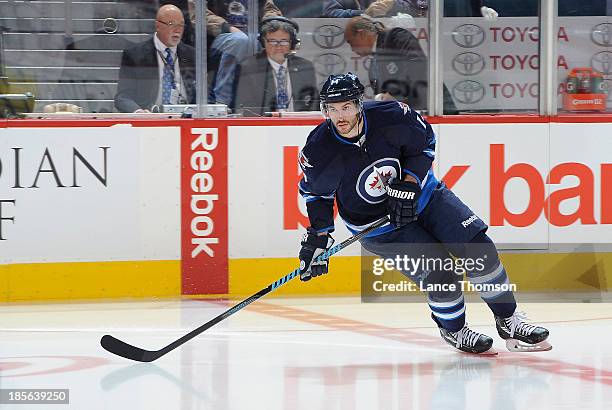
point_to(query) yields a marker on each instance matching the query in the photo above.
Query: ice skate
(521, 336)
(469, 341)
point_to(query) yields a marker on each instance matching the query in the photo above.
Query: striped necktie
(282, 99)
(168, 77)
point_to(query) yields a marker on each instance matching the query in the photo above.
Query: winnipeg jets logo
(304, 161)
(404, 107)
(381, 179)
(372, 181)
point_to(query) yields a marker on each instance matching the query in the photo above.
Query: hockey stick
(120, 348)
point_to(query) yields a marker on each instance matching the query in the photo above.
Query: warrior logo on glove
(396, 193)
(402, 202)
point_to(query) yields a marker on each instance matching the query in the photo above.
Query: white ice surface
(327, 353)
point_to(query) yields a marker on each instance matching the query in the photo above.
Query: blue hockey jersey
(397, 141)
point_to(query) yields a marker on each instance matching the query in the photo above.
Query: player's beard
(346, 128)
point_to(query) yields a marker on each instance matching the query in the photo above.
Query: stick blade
(126, 350)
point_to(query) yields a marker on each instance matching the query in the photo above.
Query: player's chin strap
(360, 123)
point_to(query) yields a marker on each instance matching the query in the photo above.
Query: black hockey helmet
(341, 87)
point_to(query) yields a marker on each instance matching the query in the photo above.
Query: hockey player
(374, 159)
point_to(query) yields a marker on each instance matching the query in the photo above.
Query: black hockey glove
(313, 245)
(402, 198)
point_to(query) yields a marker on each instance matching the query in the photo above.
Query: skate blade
(490, 352)
(514, 345)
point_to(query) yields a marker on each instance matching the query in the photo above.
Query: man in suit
(398, 69)
(415, 8)
(300, 9)
(470, 8)
(373, 8)
(160, 70)
(226, 29)
(276, 79)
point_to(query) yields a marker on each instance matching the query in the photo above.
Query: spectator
(414, 8)
(398, 69)
(160, 70)
(300, 8)
(469, 8)
(585, 8)
(374, 8)
(276, 79)
(183, 5)
(226, 24)
(513, 8)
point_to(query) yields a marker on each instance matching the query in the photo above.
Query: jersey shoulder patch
(303, 160)
(404, 107)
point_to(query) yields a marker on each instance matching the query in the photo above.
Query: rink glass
(63, 53)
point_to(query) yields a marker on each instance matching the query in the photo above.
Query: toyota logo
(468, 35)
(602, 34)
(328, 64)
(468, 92)
(468, 63)
(602, 62)
(328, 36)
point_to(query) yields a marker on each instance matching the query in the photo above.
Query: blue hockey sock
(491, 273)
(448, 314)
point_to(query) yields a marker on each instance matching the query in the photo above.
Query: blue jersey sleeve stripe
(429, 153)
(429, 184)
(407, 171)
(310, 198)
(301, 187)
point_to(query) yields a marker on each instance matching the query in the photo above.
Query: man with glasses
(276, 79)
(160, 70)
(226, 28)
